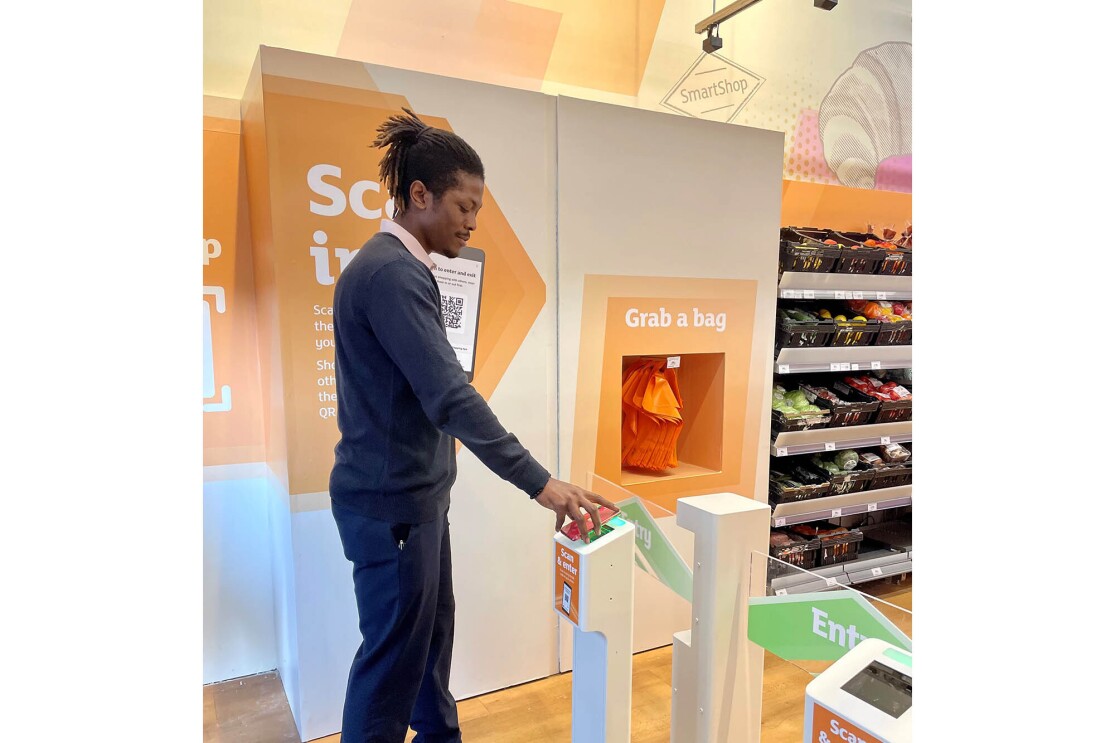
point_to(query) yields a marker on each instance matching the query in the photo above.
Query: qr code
(453, 310)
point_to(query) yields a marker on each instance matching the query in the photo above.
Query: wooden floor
(255, 710)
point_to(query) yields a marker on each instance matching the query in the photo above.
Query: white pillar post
(717, 671)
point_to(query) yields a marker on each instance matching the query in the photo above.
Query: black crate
(889, 411)
(855, 257)
(840, 548)
(897, 262)
(837, 546)
(861, 333)
(798, 252)
(801, 553)
(893, 476)
(800, 334)
(895, 334)
(781, 492)
(895, 412)
(857, 480)
(845, 412)
(806, 258)
(780, 423)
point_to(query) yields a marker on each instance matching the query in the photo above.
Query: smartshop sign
(714, 88)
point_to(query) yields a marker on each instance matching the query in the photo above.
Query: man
(402, 399)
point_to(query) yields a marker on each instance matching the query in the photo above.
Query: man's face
(453, 216)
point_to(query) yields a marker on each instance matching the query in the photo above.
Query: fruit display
(874, 387)
(905, 240)
(812, 391)
(856, 323)
(813, 250)
(800, 328)
(885, 312)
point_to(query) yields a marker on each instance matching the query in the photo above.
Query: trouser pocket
(400, 533)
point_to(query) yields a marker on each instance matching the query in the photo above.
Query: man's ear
(420, 197)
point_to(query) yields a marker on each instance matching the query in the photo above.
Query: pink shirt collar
(409, 241)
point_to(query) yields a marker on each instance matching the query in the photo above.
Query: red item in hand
(572, 531)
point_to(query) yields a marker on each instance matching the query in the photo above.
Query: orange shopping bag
(651, 416)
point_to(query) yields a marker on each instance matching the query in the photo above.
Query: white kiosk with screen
(594, 590)
(865, 697)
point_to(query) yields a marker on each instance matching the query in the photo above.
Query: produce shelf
(833, 439)
(845, 286)
(833, 359)
(868, 566)
(849, 504)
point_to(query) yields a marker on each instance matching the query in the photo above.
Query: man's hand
(566, 499)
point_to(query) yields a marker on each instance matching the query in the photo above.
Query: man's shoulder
(385, 257)
(382, 247)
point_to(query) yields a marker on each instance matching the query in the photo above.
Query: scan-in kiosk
(593, 589)
(865, 697)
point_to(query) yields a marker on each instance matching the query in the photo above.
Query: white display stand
(717, 671)
(601, 612)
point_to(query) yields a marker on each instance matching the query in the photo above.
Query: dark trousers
(404, 597)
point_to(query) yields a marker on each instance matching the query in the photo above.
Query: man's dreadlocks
(418, 152)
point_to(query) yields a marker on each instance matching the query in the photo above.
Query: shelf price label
(876, 364)
(808, 294)
(783, 368)
(781, 452)
(830, 446)
(881, 296)
(673, 362)
(857, 295)
(791, 294)
(780, 592)
(834, 366)
(846, 366)
(780, 522)
(836, 512)
(872, 507)
(884, 440)
(840, 294)
(877, 572)
(855, 367)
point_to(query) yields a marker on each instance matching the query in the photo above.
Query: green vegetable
(847, 459)
(796, 398)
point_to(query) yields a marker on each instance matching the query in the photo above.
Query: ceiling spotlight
(713, 42)
(712, 23)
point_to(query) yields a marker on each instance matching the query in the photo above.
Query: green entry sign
(818, 626)
(656, 555)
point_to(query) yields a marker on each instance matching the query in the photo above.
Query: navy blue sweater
(402, 396)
